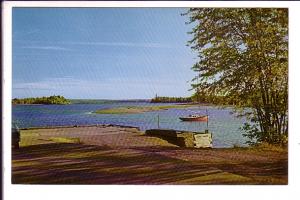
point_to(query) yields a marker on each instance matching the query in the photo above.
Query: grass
(33, 137)
(136, 109)
(270, 147)
(65, 140)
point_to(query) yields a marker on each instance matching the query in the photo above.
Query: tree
(243, 57)
(42, 100)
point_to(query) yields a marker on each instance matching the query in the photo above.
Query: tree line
(42, 100)
(199, 97)
(158, 99)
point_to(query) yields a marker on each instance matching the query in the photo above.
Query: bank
(107, 154)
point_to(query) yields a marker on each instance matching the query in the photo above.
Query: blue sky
(101, 53)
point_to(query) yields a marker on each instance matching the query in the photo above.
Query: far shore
(35, 104)
(108, 154)
(174, 104)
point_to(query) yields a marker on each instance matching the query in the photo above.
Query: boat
(195, 118)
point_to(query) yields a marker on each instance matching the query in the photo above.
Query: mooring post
(207, 119)
(157, 121)
(206, 131)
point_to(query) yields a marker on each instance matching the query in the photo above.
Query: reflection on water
(223, 125)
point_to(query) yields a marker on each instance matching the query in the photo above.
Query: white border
(13, 192)
(148, 4)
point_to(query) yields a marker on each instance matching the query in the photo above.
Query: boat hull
(194, 119)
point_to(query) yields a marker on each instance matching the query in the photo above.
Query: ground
(120, 155)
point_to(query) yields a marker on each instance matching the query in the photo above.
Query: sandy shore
(122, 155)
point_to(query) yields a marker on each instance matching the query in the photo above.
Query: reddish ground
(116, 155)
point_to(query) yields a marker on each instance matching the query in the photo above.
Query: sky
(101, 53)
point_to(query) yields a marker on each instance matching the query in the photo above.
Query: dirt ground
(120, 155)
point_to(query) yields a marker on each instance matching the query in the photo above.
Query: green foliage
(197, 97)
(158, 99)
(202, 97)
(243, 58)
(42, 100)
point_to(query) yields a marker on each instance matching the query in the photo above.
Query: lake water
(223, 125)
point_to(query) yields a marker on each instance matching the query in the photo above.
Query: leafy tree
(243, 57)
(158, 99)
(42, 100)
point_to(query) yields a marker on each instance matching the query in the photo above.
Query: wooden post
(207, 120)
(157, 121)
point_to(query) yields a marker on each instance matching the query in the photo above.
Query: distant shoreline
(98, 101)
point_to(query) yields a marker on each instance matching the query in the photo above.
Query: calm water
(223, 125)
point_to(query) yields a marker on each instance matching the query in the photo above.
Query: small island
(139, 109)
(42, 100)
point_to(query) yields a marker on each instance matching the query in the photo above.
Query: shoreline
(79, 126)
(122, 127)
(122, 155)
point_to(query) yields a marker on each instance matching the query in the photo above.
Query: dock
(183, 138)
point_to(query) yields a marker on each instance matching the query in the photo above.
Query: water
(223, 125)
